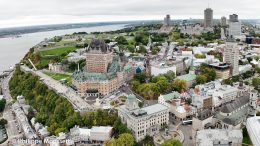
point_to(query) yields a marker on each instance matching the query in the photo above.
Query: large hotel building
(104, 72)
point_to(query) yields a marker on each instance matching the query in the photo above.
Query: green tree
(209, 73)
(200, 56)
(147, 141)
(170, 75)
(142, 49)
(125, 139)
(176, 36)
(163, 86)
(149, 91)
(30, 113)
(141, 39)
(201, 79)
(3, 122)
(171, 142)
(256, 83)
(131, 48)
(120, 128)
(121, 40)
(179, 85)
(135, 84)
(140, 104)
(155, 50)
(141, 77)
(112, 142)
(2, 104)
(257, 69)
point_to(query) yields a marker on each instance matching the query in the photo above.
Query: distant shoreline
(18, 31)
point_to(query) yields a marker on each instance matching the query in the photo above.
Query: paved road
(78, 103)
(186, 130)
(12, 126)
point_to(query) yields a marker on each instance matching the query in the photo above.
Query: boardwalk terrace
(104, 72)
(143, 121)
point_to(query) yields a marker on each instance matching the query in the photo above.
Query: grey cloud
(20, 9)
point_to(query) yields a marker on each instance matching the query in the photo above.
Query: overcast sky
(37, 12)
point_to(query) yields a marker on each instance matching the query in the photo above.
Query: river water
(12, 50)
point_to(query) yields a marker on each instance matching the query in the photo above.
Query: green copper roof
(113, 68)
(187, 77)
(131, 97)
(127, 68)
(171, 96)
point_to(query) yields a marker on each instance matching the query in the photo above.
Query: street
(77, 102)
(12, 126)
(186, 130)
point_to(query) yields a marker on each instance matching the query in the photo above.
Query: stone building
(235, 113)
(143, 121)
(219, 137)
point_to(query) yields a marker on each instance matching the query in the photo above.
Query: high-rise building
(223, 21)
(234, 25)
(231, 56)
(233, 18)
(167, 20)
(208, 18)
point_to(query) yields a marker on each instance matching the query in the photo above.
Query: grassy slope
(57, 51)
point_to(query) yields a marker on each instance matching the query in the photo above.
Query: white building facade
(231, 56)
(143, 121)
(253, 125)
(162, 69)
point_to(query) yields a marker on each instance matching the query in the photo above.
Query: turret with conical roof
(131, 102)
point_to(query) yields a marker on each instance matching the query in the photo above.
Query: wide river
(12, 50)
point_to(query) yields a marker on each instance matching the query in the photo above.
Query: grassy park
(57, 51)
(59, 76)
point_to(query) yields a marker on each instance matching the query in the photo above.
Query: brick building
(104, 72)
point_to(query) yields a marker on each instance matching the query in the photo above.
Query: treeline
(241, 77)
(150, 87)
(141, 39)
(206, 74)
(54, 110)
(43, 62)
